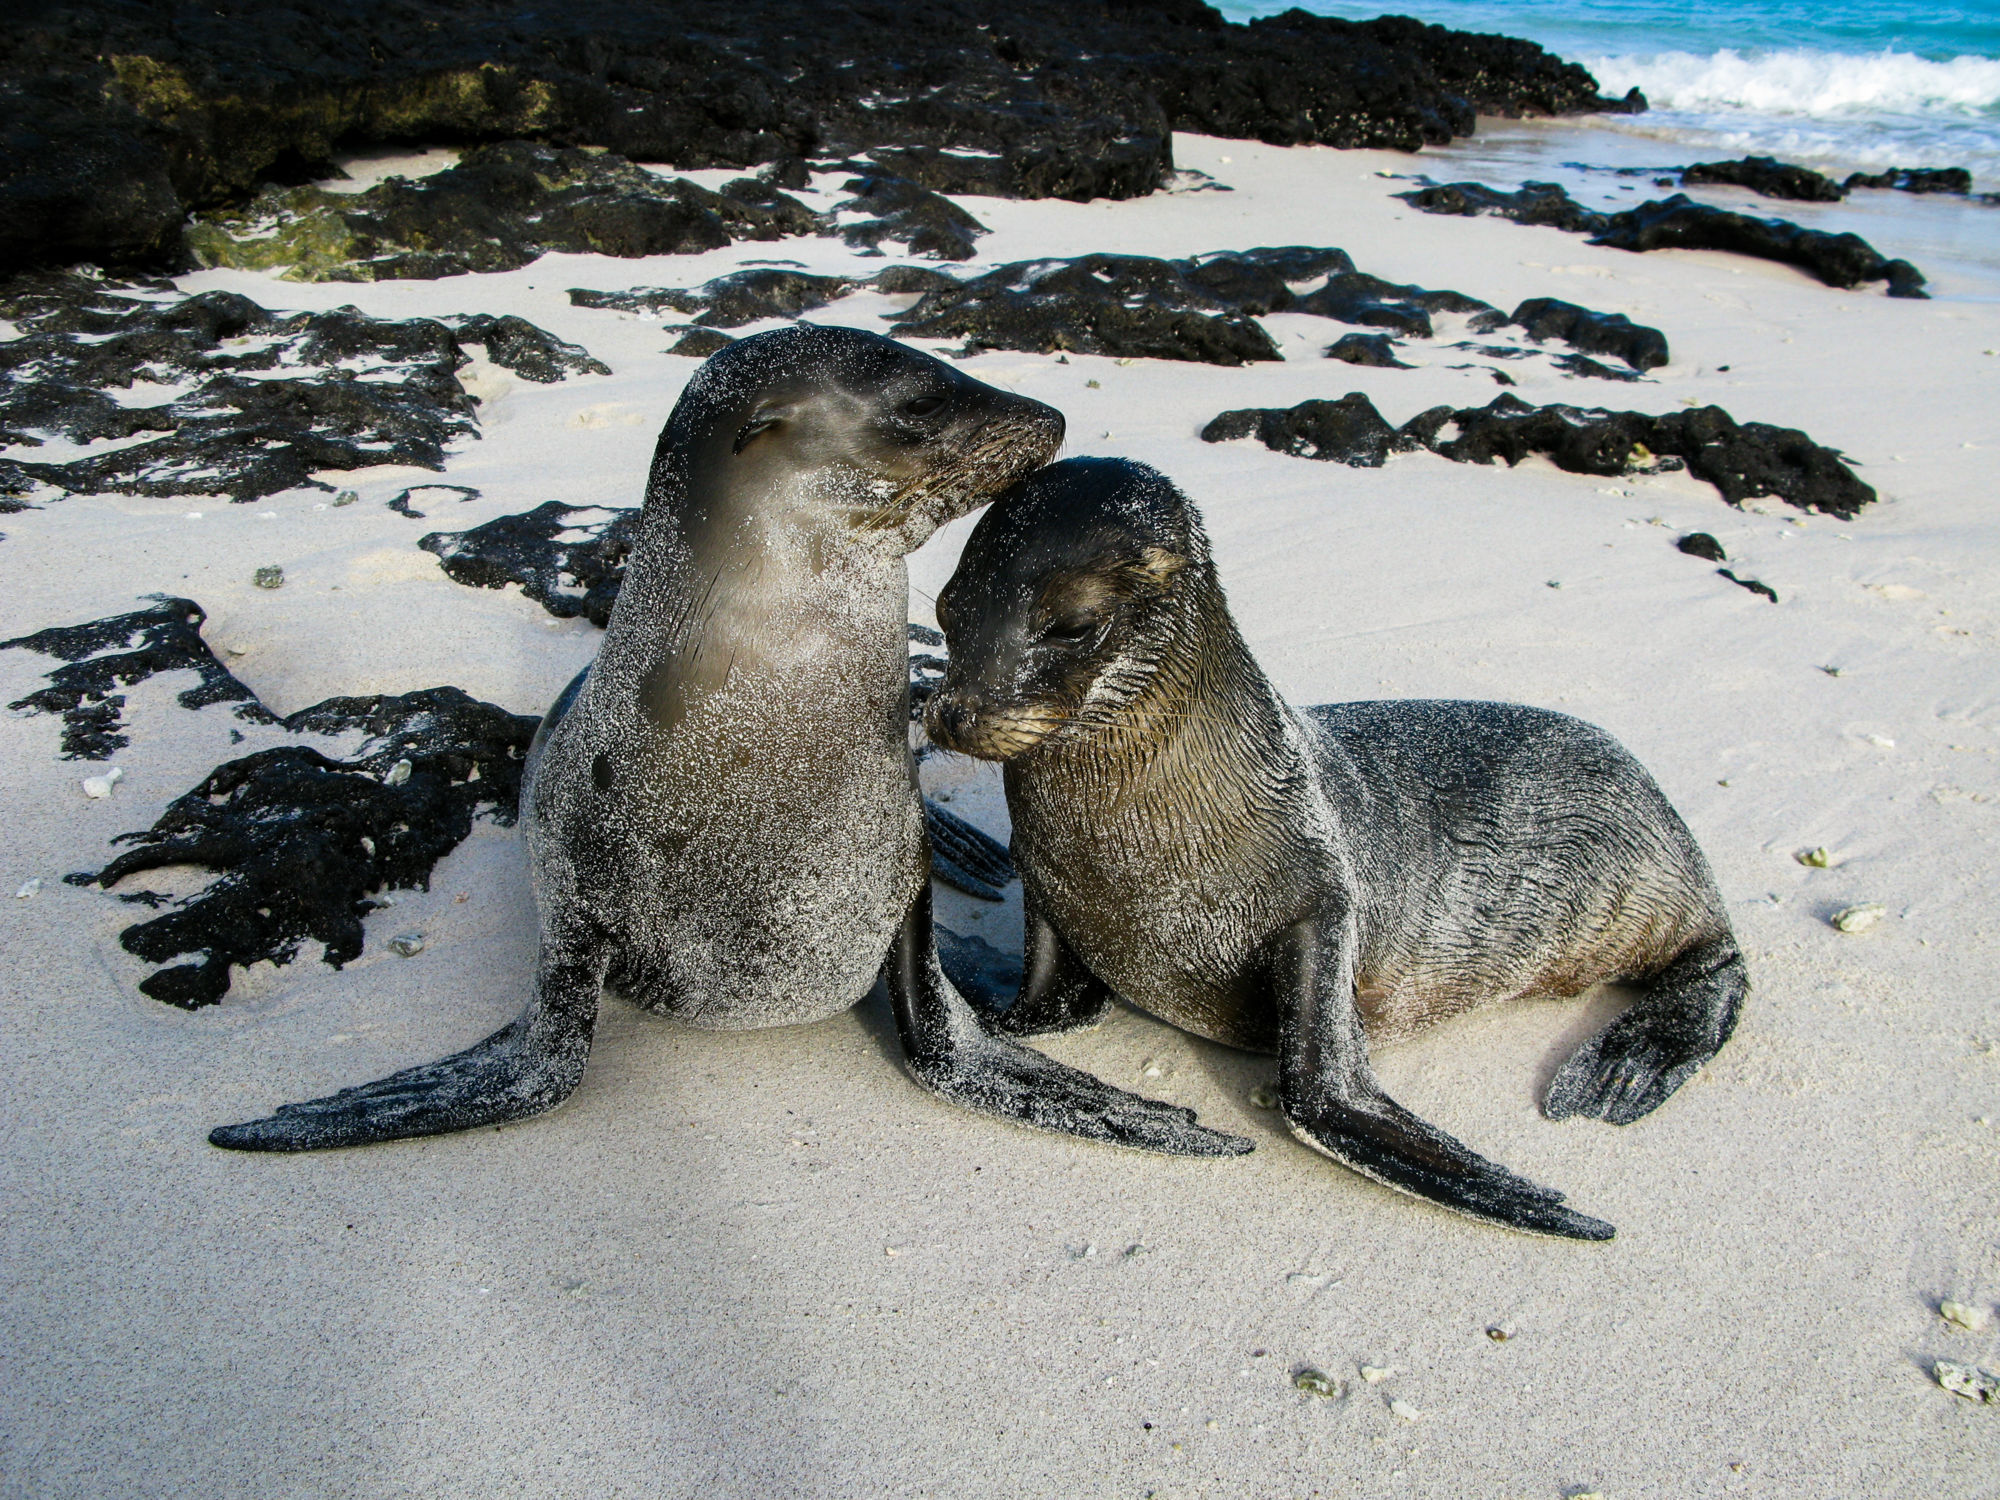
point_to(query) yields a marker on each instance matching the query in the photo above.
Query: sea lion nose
(953, 717)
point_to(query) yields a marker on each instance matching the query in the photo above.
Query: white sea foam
(1806, 81)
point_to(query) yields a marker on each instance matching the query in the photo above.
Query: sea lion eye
(924, 406)
(1071, 629)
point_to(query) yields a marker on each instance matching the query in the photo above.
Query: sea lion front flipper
(1058, 992)
(1334, 1104)
(954, 1056)
(526, 1068)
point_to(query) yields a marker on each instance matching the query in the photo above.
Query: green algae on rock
(499, 208)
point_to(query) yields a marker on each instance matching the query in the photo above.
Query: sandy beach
(768, 1264)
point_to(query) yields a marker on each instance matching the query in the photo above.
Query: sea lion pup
(722, 815)
(1309, 883)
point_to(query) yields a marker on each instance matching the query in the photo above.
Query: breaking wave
(1807, 82)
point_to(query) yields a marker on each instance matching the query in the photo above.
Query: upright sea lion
(1309, 883)
(722, 816)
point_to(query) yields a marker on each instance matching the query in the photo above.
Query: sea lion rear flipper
(1633, 1066)
(526, 1068)
(953, 1055)
(1335, 1105)
(966, 858)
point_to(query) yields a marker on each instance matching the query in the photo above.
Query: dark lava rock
(699, 343)
(104, 655)
(1701, 544)
(567, 578)
(926, 223)
(1357, 297)
(1770, 177)
(730, 301)
(500, 207)
(255, 402)
(405, 503)
(1742, 460)
(1915, 179)
(1374, 349)
(1348, 431)
(1130, 306)
(1544, 203)
(1756, 586)
(1679, 223)
(1545, 318)
(299, 840)
(120, 118)
(530, 352)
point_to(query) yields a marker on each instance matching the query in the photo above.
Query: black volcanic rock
(1129, 306)
(1754, 585)
(1679, 223)
(1701, 544)
(1770, 177)
(121, 117)
(500, 207)
(567, 578)
(924, 222)
(1374, 349)
(1545, 318)
(253, 402)
(728, 301)
(1915, 179)
(1544, 203)
(1348, 431)
(1357, 297)
(1742, 460)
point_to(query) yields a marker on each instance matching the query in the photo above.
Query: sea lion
(721, 813)
(1309, 883)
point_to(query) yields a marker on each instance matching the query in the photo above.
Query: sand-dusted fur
(1309, 882)
(722, 815)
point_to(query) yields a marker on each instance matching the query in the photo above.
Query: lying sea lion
(722, 815)
(1309, 883)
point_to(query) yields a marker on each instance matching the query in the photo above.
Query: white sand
(768, 1264)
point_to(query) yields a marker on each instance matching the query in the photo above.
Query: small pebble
(1817, 859)
(1376, 1374)
(1403, 1411)
(269, 578)
(100, 786)
(346, 497)
(1094, 385)
(410, 944)
(29, 889)
(1555, 583)
(1316, 1383)
(1975, 1385)
(1859, 918)
(1499, 1333)
(1150, 1069)
(1833, 671)
(397, 774)
(1971, 1319)
(1263, 1096)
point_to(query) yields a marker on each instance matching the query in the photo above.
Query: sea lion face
(851, 433)
(1060, 609)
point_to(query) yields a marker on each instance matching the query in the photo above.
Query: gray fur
(721, 815)
(1309, 882)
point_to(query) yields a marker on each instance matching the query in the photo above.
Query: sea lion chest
(1171, 899)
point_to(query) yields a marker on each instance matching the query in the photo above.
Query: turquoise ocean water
(1895, 83)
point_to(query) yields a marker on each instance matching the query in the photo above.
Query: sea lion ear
(1158, 567)
(761, 421)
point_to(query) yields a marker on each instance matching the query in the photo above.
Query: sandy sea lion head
(846, 431)
(1060, 613)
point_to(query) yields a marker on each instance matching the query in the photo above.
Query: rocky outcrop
(252, 402)
(1769, 177)
(120, 119)
(1588, 332)
(1914, 180)
(1679, 223)
(500, 207)
(1744, 461)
